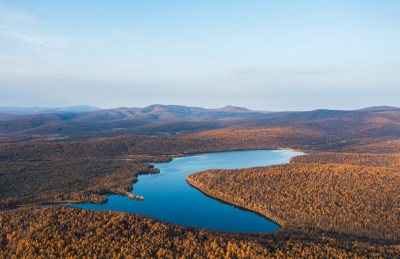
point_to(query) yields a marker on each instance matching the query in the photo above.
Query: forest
(202, 142)
(67, 232)
(340, 200)
(348, 194)
(79, 180)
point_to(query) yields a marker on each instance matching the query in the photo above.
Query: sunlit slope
(350, 194)
(166, 120)
(71, 232)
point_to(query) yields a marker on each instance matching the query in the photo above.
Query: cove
(168, 197)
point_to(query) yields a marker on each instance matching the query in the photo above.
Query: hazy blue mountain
(71, 124)
(158, 112)
(29, 110)
(381, 108)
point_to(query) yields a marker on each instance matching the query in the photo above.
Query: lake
(168, 197)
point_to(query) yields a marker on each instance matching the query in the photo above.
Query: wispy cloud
(263, 72)
(29, 36)
(10, 14)
(27, 28)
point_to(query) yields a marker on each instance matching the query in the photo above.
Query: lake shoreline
(168, 197)
(276, 221)
(129, 191)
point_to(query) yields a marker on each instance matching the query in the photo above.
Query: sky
(261, 54)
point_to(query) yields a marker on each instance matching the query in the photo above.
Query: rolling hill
(165, 120)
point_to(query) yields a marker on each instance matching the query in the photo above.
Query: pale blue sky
(269, 55)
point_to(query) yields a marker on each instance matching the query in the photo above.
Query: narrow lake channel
(168, 197)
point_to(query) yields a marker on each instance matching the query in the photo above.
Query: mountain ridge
(165, 120)
(35, 110)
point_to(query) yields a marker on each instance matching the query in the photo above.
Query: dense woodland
(342, 199)
(80, 180)
(84, 170)
(381, 147)
(318, 192)
(364, 159)
(208, 141)
(59, 231)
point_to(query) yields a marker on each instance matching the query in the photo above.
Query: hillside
(351, 200)
(165, 120)
(59, 231)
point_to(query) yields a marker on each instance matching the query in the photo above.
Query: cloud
(27, 28)
(28, 36)
(10, 15)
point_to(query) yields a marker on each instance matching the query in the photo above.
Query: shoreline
(275, 220)
(44, 203)
(305, 152)
(141, 198)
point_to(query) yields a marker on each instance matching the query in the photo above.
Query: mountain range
(29, 110)
(85, 122)
(153, 112)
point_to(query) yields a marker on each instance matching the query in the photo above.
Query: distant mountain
(158, 112)
(80, 108)
(66, 124)
(6, 116)
(381, 108)
(230, 108)
(30, 110)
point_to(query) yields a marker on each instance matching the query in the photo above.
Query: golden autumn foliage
(329, 196)
(85, 170)
(331, 205)
(79, 180)
(382, 147)
(128, 145)
(375, 160)
(59, 231)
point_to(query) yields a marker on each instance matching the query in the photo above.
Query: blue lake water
(168, 197)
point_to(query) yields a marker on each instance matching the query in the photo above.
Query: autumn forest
(339, 200)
